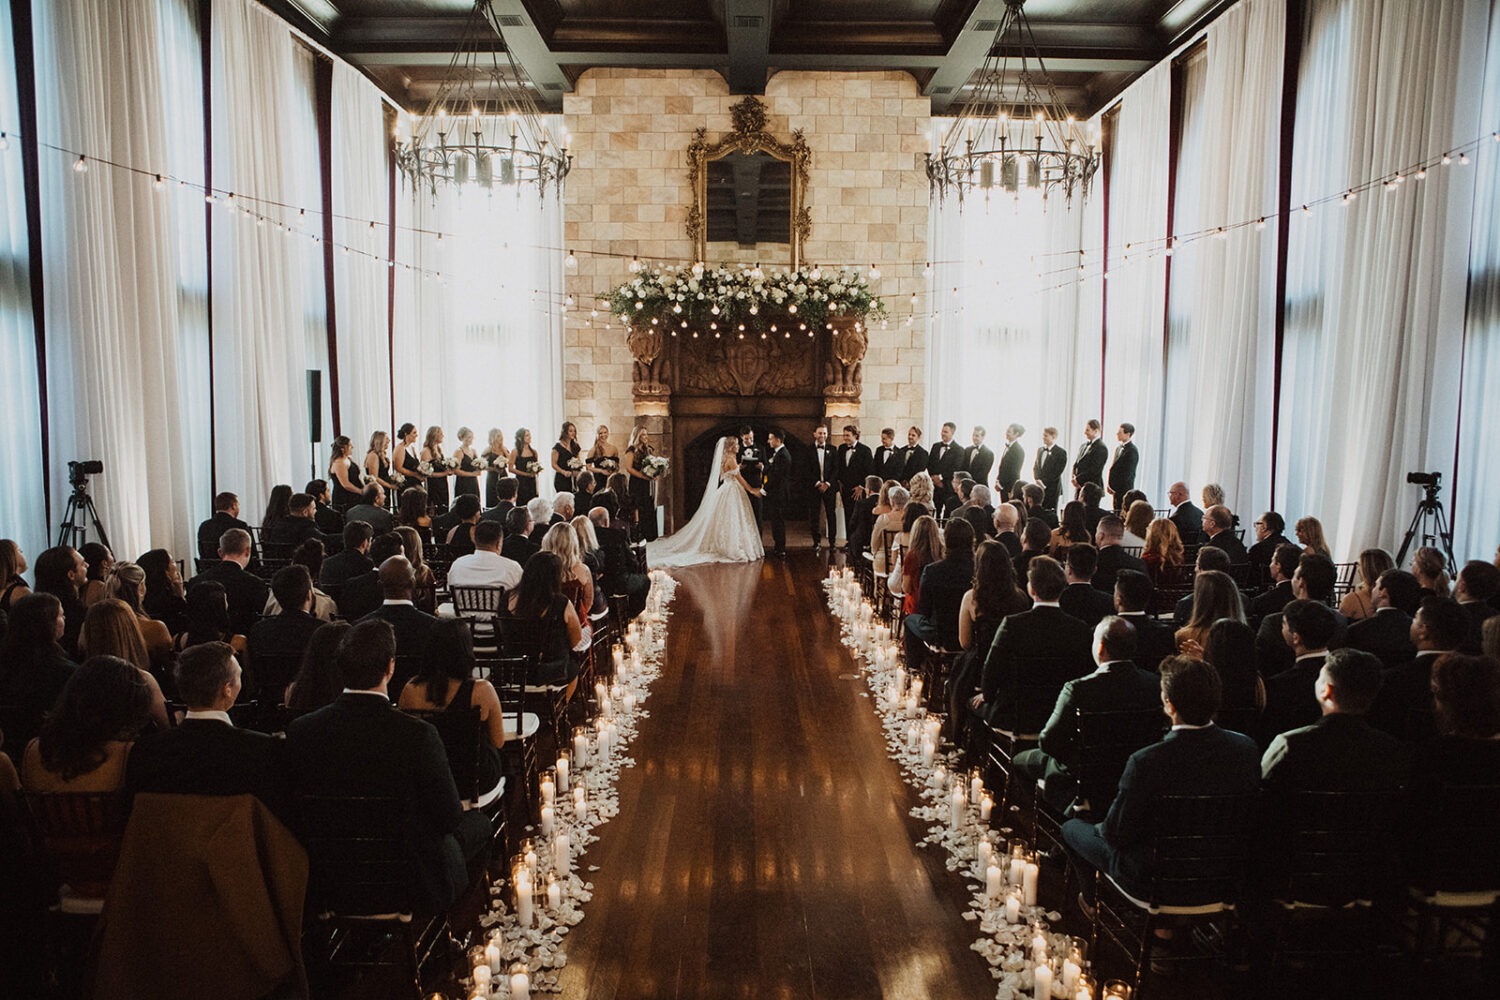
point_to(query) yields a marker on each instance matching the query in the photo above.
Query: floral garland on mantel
(713, 297)
(541, 899)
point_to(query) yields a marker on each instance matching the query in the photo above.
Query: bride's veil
(716, 464)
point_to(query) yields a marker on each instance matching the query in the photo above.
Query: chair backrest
(1200, 846)
(483, 602)
(1134, 550)
(1333, 847)
(81, 832)
(271, 673)
(1105, 742)
(356, 851)
(1344, 580)
(1456, 849)
(461, 731)
(1038, 680)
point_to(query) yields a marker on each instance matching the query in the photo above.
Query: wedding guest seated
(540, 510)
(578, 582)
(484, 567)
(446, 683)
(412, 627)
(1208, 558)
(330, 521)
(415, 511)
(1387, 634)
(246, 592)
(1138, 517)
(61, 572)
(1036, 538)
(33, 667)
(1477, 584)
(1215, 596)
(518, 546)
(460, 539)
(1218, 531)
(318, 680)
(1091, 495)
(540, 599)
(1306, 627)
(425, 594)
(361, 746)
(205, 754)
(1044, 638)
(111, 629)
(371, 509)
(1033, 499)
(923, 546)
(562, 508)
(208, 619)
(941, 591)
(583, 493)
(362, 594)
(165, 598)
(1269, 536)
(1404, 708)
(1117, 685)
(353, 560)
(1081, 598)
(593, 558)
(1004, 529)
(862, 518)
(1430, 567)
(888, 525)
(619, 503)
(1283, 568)
(620, 575)
(308, 555)
(1313, 580)
(1310, 536)
(1195, 758)
(100, 561)
(1163, 554)
(226, 516)
(1359, 603)
(127, 584)
(1072, 529)
(1231, 650)
(505, 490)
(12, 584)
(275, 640)
(299, 524)
(979, 511)
(994, 595)
(84, 742)
(1185, 516)
(1110, 537)
(1154, 640)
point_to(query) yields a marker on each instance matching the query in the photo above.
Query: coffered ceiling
(1092, 48)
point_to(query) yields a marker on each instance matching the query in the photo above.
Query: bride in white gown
(723, 529)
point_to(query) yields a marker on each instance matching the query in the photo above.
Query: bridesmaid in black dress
(523, 462)
(378, 464)
(564, 453)
(437, 479)
(344, 475)
(466, 476)
(640, 484)
(499, 465)
(406, 460)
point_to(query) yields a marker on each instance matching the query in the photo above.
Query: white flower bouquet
(532, 466)
(425, 468)
(451, 463)
(480, 464)
(397, 478)
(654, 466)
(575, 464)
(608, 464)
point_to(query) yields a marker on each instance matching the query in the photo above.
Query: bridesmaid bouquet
(480, 464)
(575, 464)
(608, 464)
(425, 468)
(451, 463)
(532, 466)
(398, 478)
(654, 466)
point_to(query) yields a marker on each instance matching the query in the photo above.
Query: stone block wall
(629, 193)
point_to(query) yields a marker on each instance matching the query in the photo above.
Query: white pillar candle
(916, 689)
(562, 773)
(482, 975)
(986, 807)
(601, 692)
(549, 790)
(562, 854)
(1038, 945)
(929, 751)
(554, 894)
(530, 860)
(1029, 876)
(547, 820)
(957, 808)
(1043, 980)
(1017, 870)
(492, 955)
(913, 734)
(984, 852)
(1071, 970)
(635, 662)
(992, 877)
(580, 749)
(1013, 909)
(911, 706)
(520, 986)
(629, 701)
(580, 804)
(976, 787)
(523, 896)
(618, 656)
(939, 776)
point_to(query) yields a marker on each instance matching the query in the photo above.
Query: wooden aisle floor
(764, 846)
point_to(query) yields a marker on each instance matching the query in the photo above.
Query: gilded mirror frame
(749, 137)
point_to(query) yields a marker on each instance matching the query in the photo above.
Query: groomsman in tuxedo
(821, 467)
(1122, 470)
(888, 460)
(942, 463)
(778, 487)
(915, 456)
(1051, 460)
(978, 459)
(1092, 456)
(854, 465)
(753, 468)
(1012, 460)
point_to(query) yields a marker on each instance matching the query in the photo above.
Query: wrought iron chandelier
(1016, 134)
(483, 126)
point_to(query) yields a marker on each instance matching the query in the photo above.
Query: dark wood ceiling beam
(747, 24)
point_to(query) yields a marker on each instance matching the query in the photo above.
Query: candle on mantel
(1029, 877)
(1043, 980)
(562, 854)
(549, 789)
(520, 985)
(992, 878)
(562, 772)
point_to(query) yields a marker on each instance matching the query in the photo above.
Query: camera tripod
(1429, 525)
(80, 514)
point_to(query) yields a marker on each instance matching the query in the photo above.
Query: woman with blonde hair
(1310, 534)
(127, 583)
(432, 456)
(604, 457)
(920, 488)
(1430, 567)
(1215, 596)
(497, 458)
(578, 583)
(1138, 518)
(378, 463)
(924, 547)
(1359, 603)
(1164, 554)
(640, 484)
(466, 476)
(889, 524)
(112, 629)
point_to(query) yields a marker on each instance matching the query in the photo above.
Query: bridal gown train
(722, 531)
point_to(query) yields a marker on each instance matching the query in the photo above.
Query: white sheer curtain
(361, 291)
(1369, 382)
(111, 252)
(1133, 370)
(21, 515)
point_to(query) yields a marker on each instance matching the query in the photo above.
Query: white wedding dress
(722, 531)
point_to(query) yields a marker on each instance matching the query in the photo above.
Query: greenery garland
(703, 297)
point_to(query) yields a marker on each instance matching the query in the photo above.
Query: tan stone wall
(629, 193)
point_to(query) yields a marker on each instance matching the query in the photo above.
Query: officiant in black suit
(1122, 470)
(1088, 467)
(752, 468)
(821, 470)
(1012, 460)
(888, 460)
(942, 463)
(1051, 461)
(854, 465)
(914, 456)
(778, 487)
(978, 460)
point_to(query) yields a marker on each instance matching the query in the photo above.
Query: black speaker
(315, 404)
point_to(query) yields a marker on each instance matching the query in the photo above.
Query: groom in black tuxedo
(778, 487)
(752, 468)
(888, 460)
(821, 468)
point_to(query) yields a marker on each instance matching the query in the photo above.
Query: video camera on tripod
(81, 511)
(79, 472)
(1429, 524)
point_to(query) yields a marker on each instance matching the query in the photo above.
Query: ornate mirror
(749, 191)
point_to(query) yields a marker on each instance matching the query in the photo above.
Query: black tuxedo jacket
(1112, 559)
(294, 531)
(618, 562)
(1122, 472)
(1048, 469)
(889, 462)
(1274, 656)
(362, 746)
(1091, 518)
(209, 757)
(1272, 601)
(1229, 542)
(376, 517)
(340, 569)
(983, 520)
(914, 461)
(1088, 604)
(813, 473)
(944, 460)
(330, 521)
(1338, 753)
(1479, 613)
(1387, 635)
(1261, 553)
(210, 530)
(978, 462)
(1046, 515)
(941, 593)
(360, 595)
(1154, 641)
(283, 635)
(247, 593)
(1404, 706)
(1290, 701)
(778, 481)
(413, 626)
(1089, 466)
(1189, 521)
(1045, 647)
(1012, 460)
(501, 509)
(519, 548)
(1119, 686)
(854, 465)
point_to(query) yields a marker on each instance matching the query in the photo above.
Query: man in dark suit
(863, 521)
(1006, 520)
(1090, 496)
(1122, 469)
(226, 516)
(1387, 634)
(778, 490)
(352, 561)
(247, 593)
(281, 637)
(942, 463)
(941, 592)
(301, 525)
(1268, 537)
(1475, 587)
(398, 581)
(1043, 647)
(505, 491)
(1012, 459)
(1195, 758)
(362, 594)
(1051, 462)
(1154, 640)
(330, 521)
(619, 575)
(1283, 568)
(914, 458)
(1034, 496)
(821, 470)
(1218, 525)
(371, 509)
(1185, 514)
(1118, 685)
(753, 470)
(1404, 707)
(1088, 467)
(1313, 581)
(889, 461)
(1306, 627)
(205, 754)
(518, 545)
(978, 511)
(978, 460)
(1112, 555)
(854, 461)
(361, 746)
(1081, 599)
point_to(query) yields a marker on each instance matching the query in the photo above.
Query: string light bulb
(81, 165)
(160, 183)
(874, 273)
(572, 261)
(4, 142)
(635, 265)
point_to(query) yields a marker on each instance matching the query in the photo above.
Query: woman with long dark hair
(564, 457)
(12, 565)
(1071, 530)
(415, 512)
(524, 464)
(278, 508)
(995, 595)
(165, 599)
(318, 680)
(343, 474)
(539, 598)
(102, 709)
(208, 618)
(33, 666)
(405, 460)
(100, 561)
(447, 684)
